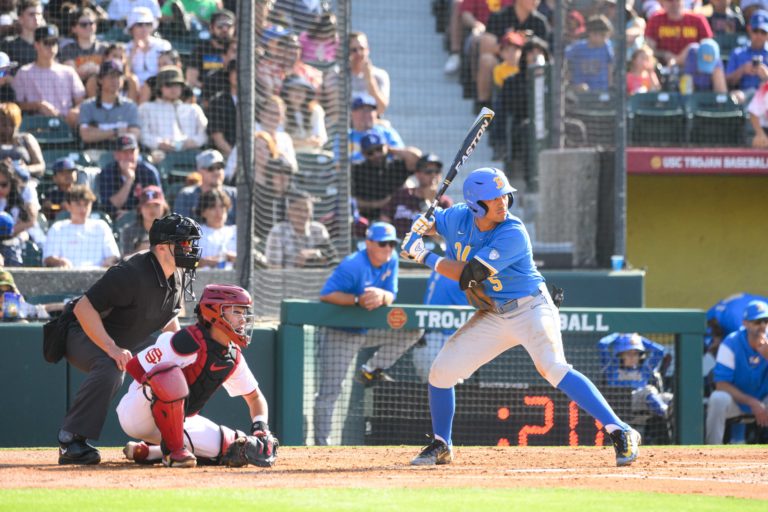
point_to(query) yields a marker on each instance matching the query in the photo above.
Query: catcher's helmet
(626, 342)
(484, 184)
(216, 300)
(183, 233)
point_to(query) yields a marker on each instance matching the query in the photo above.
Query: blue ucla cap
(707, 56)
(759, 20)
(756, 310)
(363, 100)
(381, 232)
(371, 139)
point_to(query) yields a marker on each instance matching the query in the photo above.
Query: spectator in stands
(149, 91)
(299, 241)
(116, 52)
(510, 50)
(747, 68)
(202, 10)
(64, 177)
(672, 29)
(11, 244)
(208, 55)
(134, 237)
(222, 114)
(144, 48)
(631, 360)
(320, 42)
(467, 17)
(270, 196)
(365, 118)
(293, 65)
(520, 17)
(9, 18)
(703, 67)
(575, 26)
(120, 10)
(590, 61)
(168, 124)
(85, 53)
(22, 148)
(80, 241)
(305, 118)
(408, 202)
(271, 140)
(18, 198)
(15, 308)
(46, 87)
(741, 374)
(7, 68)
(106, 117)
(641, 76)
(122, 180)
(725, 19)
(217, 81)
(366, 279)
(383, 172)
(21, 49)
(210, 165)
(218, 240)
(367, 78)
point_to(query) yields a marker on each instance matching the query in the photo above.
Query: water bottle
(686, 84)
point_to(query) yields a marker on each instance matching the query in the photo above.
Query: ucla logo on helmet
(499, 182)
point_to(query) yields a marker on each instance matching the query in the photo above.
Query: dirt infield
(739, 472)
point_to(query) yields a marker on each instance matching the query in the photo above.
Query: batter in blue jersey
(489, 254)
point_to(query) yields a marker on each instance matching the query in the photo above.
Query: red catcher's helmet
(219, 298)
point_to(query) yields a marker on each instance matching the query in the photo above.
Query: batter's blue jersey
(442, 291)
(355, 273)
(615, 375)
(739, 364)
(505, 250)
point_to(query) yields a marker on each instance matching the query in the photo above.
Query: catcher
(176, 376)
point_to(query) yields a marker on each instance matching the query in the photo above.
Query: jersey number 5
(463, 254)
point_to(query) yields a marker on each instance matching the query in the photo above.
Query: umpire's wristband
(432, 260)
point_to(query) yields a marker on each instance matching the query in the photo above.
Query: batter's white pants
(721, 407)
(534, 324)
(201, 436)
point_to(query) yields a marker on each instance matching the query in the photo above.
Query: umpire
(115, 318)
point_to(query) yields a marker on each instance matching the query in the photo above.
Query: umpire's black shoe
(370, 378)
(78, 451)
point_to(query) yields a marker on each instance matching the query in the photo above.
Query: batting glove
(413, 247)
(422, 224)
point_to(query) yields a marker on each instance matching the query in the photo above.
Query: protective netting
(505, 402)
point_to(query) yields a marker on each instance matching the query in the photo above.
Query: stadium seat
(50, 132)
(715, 119)
(597, 110)
(728, 42)
(31, 254)
(52, 154)
(178, 164)
(656, 119)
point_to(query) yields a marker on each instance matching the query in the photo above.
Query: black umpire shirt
(135, 299)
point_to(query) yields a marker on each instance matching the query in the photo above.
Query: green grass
(378, 500)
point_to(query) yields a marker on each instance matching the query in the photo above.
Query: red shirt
(482, 9)
(674, 36)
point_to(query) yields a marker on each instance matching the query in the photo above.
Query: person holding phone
(746, 68)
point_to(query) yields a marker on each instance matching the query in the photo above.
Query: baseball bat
(474, 134)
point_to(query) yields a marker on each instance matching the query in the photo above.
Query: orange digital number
(599, 436)
(573, 422)
(537, 430)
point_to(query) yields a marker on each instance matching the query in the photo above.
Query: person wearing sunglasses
(210, 165)
(144, 49)
(85, 52)
(741, 375)
(46, 87)
(365, 279)
(208, 55)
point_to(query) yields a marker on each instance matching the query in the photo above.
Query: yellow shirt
(503, 71)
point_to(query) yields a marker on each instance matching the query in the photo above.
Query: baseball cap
(512, 38)
(169, 75)
(209, 158)
(6, 279)
(756, 310)
(110, 66)
(707, 56)
(381, 232)
(759, 20)
(429, 158)
(6, 225)
(363, 100)
(140, 15)
(46, 32)
(223, 14)
(64, 164)
(6, 64)
(151, 194)
(298, 82)
(371, 139)
(127, 141)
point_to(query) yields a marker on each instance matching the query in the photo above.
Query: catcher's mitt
(257, 450)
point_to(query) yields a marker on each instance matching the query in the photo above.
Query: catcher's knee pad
(553, 371)
(169, 389)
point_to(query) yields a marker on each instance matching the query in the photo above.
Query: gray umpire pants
(337, 350)
(88, 411)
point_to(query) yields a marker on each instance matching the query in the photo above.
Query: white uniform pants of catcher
(337, 350)
(721, 407)
(534, 324)
(201, 436)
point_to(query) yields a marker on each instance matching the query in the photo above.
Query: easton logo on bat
(472, 145)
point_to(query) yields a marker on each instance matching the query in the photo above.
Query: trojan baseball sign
(575, 322)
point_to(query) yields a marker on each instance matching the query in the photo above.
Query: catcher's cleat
(436, 453)
(370, 378)
(181, 458)
(627, 445)
(78, 451)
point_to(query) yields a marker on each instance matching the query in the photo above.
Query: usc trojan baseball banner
(696, 161)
